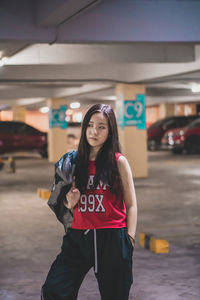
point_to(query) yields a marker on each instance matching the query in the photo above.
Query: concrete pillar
(132, 139)
(19, 113)
(57, 136)
(166, 110)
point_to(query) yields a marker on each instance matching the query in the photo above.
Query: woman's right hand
(72, 197)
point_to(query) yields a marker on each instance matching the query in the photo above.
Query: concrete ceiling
(81, 49)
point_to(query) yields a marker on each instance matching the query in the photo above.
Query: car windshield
(195, 123)
(159, 123)
(7, 127)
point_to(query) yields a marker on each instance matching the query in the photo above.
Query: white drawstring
(42, 295)
(95, 251)
(95, 248)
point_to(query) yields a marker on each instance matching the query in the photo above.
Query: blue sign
(134, 112)
(57, 117)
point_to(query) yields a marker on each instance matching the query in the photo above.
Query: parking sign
(134, 112)
(57, 117)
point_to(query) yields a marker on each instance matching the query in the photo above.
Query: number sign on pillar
(57, 117)
(131, 112)
(134, 112)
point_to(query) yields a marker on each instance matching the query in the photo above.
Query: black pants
(108, 250)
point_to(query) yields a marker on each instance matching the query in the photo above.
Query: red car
(185, 139)
(18, 136)
(156, 131)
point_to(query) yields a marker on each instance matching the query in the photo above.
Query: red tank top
(99, 208)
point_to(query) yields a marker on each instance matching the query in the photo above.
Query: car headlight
(171, 141)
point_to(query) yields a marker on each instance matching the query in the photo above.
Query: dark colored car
(185, 139)
(156, 131)
(18, 136)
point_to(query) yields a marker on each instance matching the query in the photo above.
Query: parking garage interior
(57, 58)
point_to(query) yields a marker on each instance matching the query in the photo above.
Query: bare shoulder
(126, 177)
(123, 165)
(122, 161)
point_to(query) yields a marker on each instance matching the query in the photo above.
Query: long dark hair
(105, 162)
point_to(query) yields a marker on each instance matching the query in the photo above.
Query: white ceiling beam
(16, 92)
(176, 99)
(105, 53)
(132, 72)
(12, 92)
(79, 73)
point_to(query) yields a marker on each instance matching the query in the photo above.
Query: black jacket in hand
(64, 170)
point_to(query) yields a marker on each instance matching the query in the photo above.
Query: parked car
(18, 136)
(156, 131)
(185, 139)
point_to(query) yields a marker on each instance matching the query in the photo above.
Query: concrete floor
(169, 207)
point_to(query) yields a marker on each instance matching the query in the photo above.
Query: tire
(198, 144)
(177, 150)
(191, 145)
(44, 152)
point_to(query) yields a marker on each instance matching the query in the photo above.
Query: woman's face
(97, 131)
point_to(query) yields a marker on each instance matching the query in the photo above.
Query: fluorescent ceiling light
(44, 109)
(110, 98)
(69, 112)
(3, 61)
(195, 88)
(77, 117)
(75, 105)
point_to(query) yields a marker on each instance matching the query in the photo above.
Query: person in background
(103, 230)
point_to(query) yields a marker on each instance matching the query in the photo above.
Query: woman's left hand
(132, 240)
(72, 196)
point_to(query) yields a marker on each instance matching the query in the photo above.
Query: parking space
(169, 208)
(59, 59)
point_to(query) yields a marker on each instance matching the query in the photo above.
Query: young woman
(105, 215)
